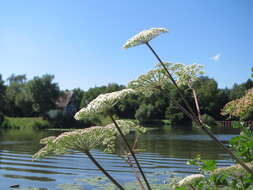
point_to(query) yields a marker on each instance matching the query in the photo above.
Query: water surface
(161, 154)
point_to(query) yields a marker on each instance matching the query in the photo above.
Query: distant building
(67, 103)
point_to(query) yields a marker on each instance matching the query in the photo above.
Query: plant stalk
(172, 79)
(196, 103)
(103, 170)
(130, 163)
(131, 151)
(198, 119)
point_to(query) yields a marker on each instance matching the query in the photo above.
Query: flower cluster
(189, 180)
(86, 139)
(240, 107)
(126, 127)
(102, 103)
(187, 74)
(184, 74)
(150, 82)
(79, 140)
(158, 79)
(144, 37)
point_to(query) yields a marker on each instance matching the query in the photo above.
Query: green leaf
(209, 165)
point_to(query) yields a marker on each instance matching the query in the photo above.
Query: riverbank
(24, 122)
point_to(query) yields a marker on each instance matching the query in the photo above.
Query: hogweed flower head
(47, 140)
(191, 179)
(186, 74)
(102, 103)
(155, 80)
(84, 140)
(144, 37)
(126, 127)
(77, 140)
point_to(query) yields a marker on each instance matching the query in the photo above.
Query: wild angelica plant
(143, 38)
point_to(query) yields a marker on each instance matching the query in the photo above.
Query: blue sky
(80, 41)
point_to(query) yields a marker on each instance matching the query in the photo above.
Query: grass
(25, 122)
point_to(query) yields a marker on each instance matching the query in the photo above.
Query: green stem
(197, 119)
(103, 170)
(172, 80)
(196, 103)
(131, 151)
(130, 163)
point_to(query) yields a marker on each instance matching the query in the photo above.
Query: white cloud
(216, 57)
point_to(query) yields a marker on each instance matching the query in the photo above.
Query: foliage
(2, 118)
(25, 122)
(17, 102)
(43, 93)
(78, 94)
(2, 94)
(207, 119)
(238, 90)
(243, 144)
(211, 99)
(211, 177)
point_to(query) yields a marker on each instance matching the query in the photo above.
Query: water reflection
(160, 152)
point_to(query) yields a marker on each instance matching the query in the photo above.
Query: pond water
(162, 153)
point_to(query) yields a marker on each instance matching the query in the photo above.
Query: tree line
(20, 97)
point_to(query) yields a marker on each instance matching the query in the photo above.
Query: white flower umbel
(144, 37)
(187, 74)
(102, 103)
(184, 74)
(79, 140)
(148, 83)
(189, 180)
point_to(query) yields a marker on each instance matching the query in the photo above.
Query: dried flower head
(191, 179)
(144, 37)
(235, 170)
(102, 103)
(240, 107)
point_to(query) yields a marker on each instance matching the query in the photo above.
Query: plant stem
(196, 103)
(131, 151)
(103, 170)
(172, 79)
(130, 163)
(197, 119)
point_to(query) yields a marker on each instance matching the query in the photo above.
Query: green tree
(78, 94)
(2, 92)
(238, 90)
(211, 99)
(43, 92)
(17, 100)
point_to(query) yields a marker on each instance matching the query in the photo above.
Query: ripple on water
(161, 154)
